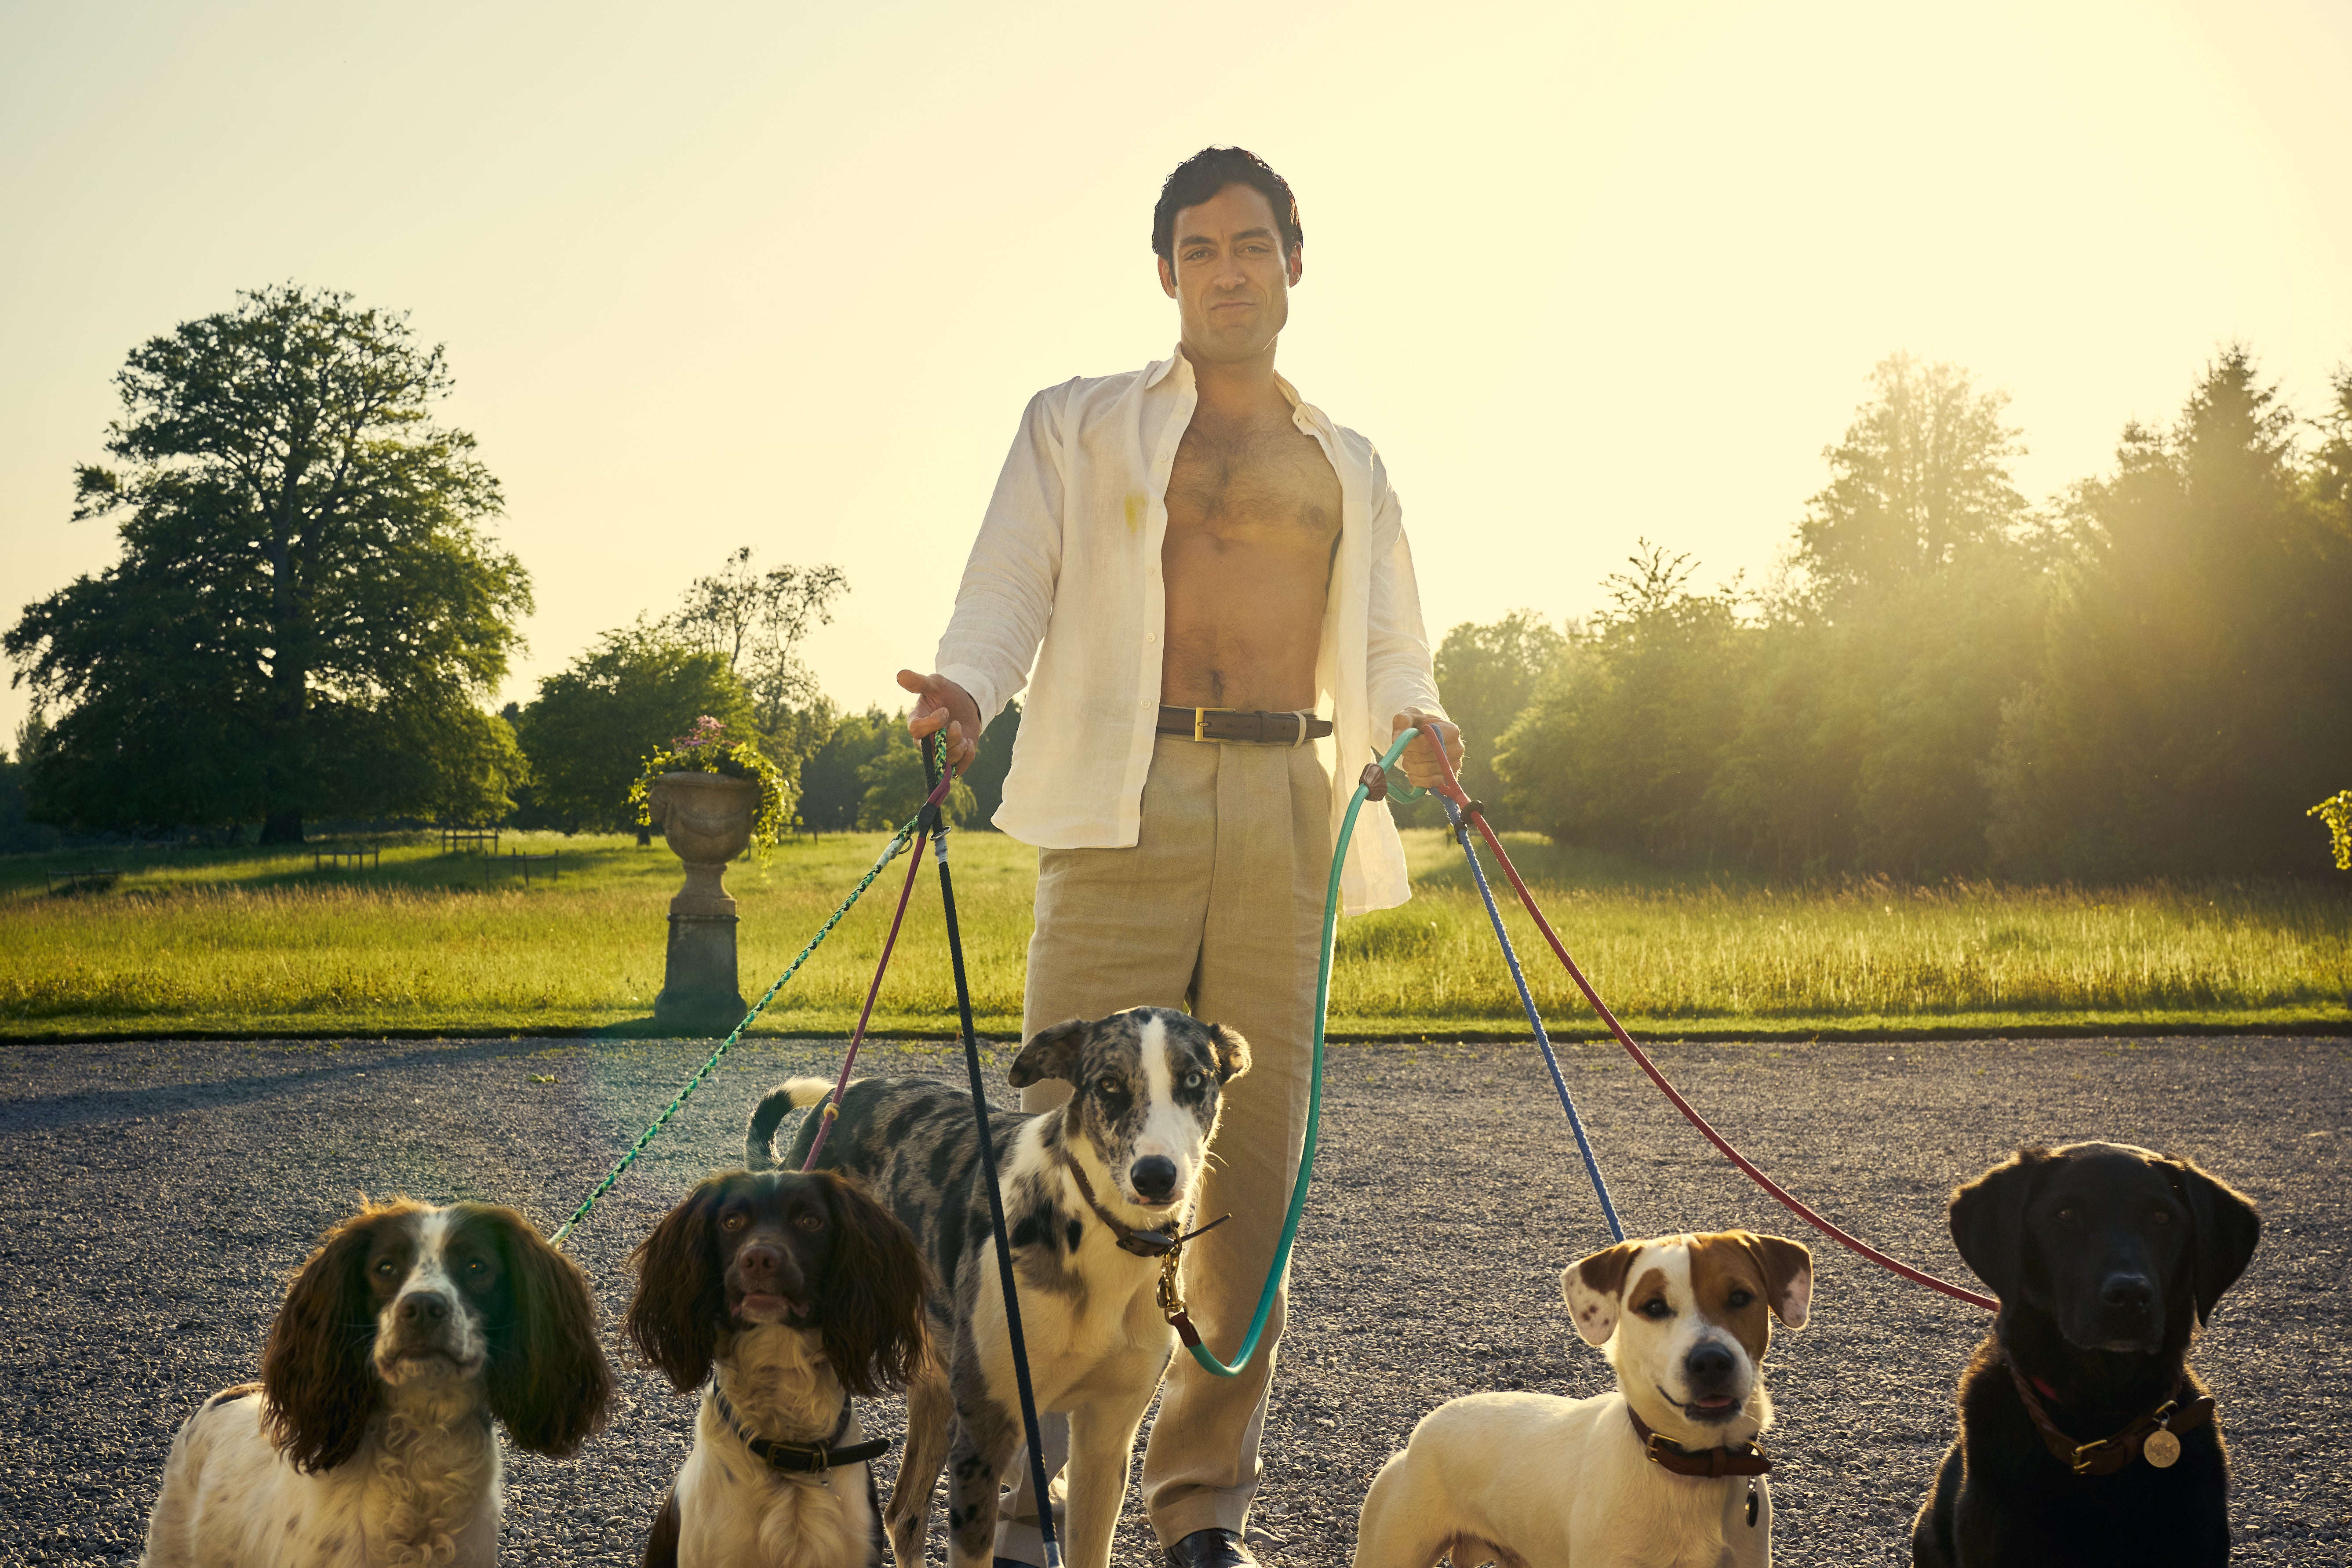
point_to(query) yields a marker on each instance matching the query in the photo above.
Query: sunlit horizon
(1584, 277)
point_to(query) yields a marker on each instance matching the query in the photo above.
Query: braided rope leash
(1008, 1287)
(1454, 815)
(1170, 1301)
(890, 851)
(1452, 790)
(924, 820)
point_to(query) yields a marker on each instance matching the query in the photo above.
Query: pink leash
(841, 1085)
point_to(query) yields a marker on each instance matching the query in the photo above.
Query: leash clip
(1171, 1295)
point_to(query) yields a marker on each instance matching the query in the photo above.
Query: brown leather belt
(1244, 724)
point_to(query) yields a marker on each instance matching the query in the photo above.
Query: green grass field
(249, 942)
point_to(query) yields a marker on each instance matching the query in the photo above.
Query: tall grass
(229, 942)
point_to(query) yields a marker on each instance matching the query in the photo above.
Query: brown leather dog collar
(1142, 1243)
(1747, 1459)
(2106, 1456)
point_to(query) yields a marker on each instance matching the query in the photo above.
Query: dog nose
(1154, 1176)
(2127, 1292)
(758, 1262)
(1708, 1366)
(422, 1307)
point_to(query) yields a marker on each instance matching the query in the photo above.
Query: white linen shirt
(1069, 557)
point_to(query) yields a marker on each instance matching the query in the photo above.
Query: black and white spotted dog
(1123, 1156)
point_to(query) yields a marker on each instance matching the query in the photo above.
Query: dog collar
(1142, 1243)
(2155, 1435)
(800, 1458)
(1743, 1459)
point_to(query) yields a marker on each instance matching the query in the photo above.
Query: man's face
(1231, 281)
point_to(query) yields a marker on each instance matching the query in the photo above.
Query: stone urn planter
(707, 820)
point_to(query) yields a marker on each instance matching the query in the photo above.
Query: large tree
(2189, 701)
(1618, 743)
(306, 614)
(593, 723)
(1487, 675)
(1921, 476)
(755, 620)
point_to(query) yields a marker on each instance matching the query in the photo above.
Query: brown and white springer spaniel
(799, 1291)
(368, 1440)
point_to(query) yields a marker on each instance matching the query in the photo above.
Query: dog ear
(1057, 1053)
(1988, 1219)
(1594, 1290)
(1787, 1275)
(2227, 1228)
(1233, 1052)
(681, 1297)
(315, 1367)
(875, 1330)
(548, 1380)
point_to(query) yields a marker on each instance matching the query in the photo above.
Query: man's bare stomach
(1245, 638)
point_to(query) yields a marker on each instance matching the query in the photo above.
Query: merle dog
(799, 1291)
(1120, 1161)
(2107, 1259)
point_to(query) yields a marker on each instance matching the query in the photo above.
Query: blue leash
(1510, 957)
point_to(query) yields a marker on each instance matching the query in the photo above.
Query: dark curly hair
(1209, 171)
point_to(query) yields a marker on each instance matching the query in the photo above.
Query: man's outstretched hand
(939, 701)
(1419, 761)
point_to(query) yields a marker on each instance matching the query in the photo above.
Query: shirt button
(1151, 636)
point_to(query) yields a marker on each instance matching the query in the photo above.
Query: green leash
(890, 852)
(1169, 1300)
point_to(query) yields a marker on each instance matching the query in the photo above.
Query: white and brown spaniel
(799, 1291)
(368, 1440)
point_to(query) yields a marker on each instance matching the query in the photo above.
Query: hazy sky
(781, 275)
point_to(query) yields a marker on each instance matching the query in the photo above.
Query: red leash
(1452, 789)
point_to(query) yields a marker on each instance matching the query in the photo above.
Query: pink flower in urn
(706, 731)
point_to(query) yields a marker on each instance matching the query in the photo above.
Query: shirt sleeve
(1397, 670)
(1007, 596)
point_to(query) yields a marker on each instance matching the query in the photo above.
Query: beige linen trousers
(1218, 909)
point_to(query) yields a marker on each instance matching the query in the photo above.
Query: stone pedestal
(707, 820)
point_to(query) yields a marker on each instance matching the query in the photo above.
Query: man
(1219, 578)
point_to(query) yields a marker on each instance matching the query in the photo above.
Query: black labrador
(2107, 1259)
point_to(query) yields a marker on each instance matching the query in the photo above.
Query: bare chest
(1270, 485)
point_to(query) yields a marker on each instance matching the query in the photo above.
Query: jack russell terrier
(1664, 1472)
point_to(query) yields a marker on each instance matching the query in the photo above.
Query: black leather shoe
(1211, 1549)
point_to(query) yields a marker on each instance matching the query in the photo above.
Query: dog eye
(475, 1267)
(1194, 1079)
(2065, 1213)
(809, 1221)
(383, 1267)
(1740, 1299)
(733, 1221)
(1108, 1084)
(1656, 1308)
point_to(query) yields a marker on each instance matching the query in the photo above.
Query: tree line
(2145, 676)
(308, 618)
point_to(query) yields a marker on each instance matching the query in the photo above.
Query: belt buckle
(1200, 717)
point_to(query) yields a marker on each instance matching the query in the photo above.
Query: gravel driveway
(154, 1196)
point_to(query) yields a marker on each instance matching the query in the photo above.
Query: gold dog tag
(2161, 1449)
